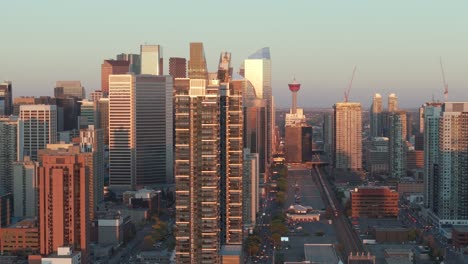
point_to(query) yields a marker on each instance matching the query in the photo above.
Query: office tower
(151, 59)
(347, 138)
(421, 119)
(97, 94)
(431, 152)
(197, 68)
(258, 72)
(92, 145)
(6, 98)
(40, 128)
(231, 146)
(250, 188)
(11, 147)
(63, 202)
(197, 169)
(25, 188)
(68, 109)
(153, 129)
(376, 116)
(178, 67)
(103, 106)
(109, 67)
(298, 147)
(89, 115)
(451, 182)
(224, 67)
(397, 144)
(122, 131)
(133, 59)
(392, 103)
(6, 209)
(23, 100)
(65, 89)
(328, 135)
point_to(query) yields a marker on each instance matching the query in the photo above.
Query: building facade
(151, 59)
(397, 144)
(347, 136)
(65, 89)
(178, 67)
(109, 67)
(376, 116)
(6, 98)
(374, 202)
(11, 147)
(25, 187)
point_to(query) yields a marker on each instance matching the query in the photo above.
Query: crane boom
(347, 91)
(443, 79)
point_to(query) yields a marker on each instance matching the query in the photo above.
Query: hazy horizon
(396, 46)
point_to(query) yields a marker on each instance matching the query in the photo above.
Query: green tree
(281, 198)
(276, 239)
(252, 244)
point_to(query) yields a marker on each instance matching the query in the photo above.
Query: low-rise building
(111, 227)
(20, 237)
(460, 236)
(64, 255)
(374, 202)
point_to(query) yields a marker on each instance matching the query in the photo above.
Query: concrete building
(377, 156)
(103, 106)
(374, 202)
(20, 237)
(133, 59)
(178, 67)
(397, 144)
(298, 144)
(65, 255)
(151, 60)
(376, 116)
(111, 227)
(96, 96)
(6, 98)
(89, 115)
(63, 202)
(40, 128)
(25, 188)
(347, 136)
(65, 89)
(6, 209)
(109, 67)
(250, 188)
(11, 148)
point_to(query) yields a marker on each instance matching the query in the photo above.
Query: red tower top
(294, 86)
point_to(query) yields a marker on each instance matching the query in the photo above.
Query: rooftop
(321, 253)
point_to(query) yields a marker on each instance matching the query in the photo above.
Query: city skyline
(395, 49)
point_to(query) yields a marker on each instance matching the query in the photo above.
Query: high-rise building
(224, 67)
(250, 188)
(6, 209)
(197, 153)
(63, 202)
(328, 135)
(133, 59)
(197, 68)
(109, 67)
(11, 148)
(451, 181)
(23, 100)
(231, 146)
(377, 156)
(65, 89)
(103, 106)
(122, 161)
(392, 103)
(257, 69)
(6, 98)
(347, 138)
(154, 129)
(151, 59)
(431, 152)
(97, 94)
(40, 128)
(397, 144)
(376, 116)
(69, 111)
(92, 145)
(178, 67)
(89, 115)
(25, 188)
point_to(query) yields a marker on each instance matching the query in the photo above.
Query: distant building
(6, 209)
(376, 116)
(347, 136)
(250, 188)
(151, 59)
(377, 156)
(11, 150)
(133, 59)
(298, 144)
(397, 144)
(109, 67)
(25, 188)
(89, 115)
(374, 202)
(65, 89)
(392, 103)
(6, 98)
(327, 132)
(103, 106)
(96, 96)
(178, 67)
(40, 128)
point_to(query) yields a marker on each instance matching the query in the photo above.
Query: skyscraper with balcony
(63, 202)
(178, 67)
(11, 148)
(6, 98)
(151, 59)
(347, 137)
(257, 69)
(40, 128)
(397, 144)
(109, 67)
(376, 116)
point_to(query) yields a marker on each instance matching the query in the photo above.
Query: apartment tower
(347, 138)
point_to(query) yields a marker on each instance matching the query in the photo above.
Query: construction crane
(347, 91)
(443, 79)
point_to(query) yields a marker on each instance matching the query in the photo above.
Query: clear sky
(395, 45)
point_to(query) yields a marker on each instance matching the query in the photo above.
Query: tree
(252, 244)
(276, 239)
(281, 198)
